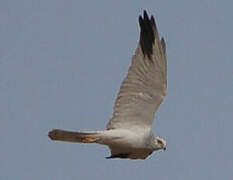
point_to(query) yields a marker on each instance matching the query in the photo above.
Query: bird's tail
(75, 137)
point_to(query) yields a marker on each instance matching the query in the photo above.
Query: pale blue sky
(61, 65)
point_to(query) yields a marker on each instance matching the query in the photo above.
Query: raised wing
(144, 88)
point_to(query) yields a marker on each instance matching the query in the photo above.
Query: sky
(61, 66)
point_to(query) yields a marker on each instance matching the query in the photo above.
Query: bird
(129, 133)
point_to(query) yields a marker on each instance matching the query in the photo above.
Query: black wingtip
(152, 19)
(144, 12)
(147, 34)
(145, 15)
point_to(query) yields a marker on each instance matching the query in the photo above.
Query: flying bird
(129, 132)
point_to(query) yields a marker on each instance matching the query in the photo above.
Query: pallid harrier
(129, 132)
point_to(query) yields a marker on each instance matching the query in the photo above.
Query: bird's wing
(144, 88)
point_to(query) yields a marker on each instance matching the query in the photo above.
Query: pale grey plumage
(129, 132)
(144, 88)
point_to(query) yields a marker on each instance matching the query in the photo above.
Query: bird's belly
(127, 143)
(126, 139)
(140, 154)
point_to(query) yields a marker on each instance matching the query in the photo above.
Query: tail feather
(76, 137)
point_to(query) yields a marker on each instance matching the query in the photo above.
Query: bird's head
(160, 143)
